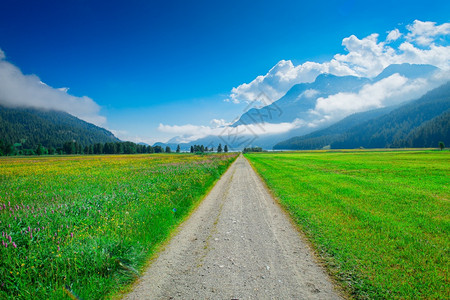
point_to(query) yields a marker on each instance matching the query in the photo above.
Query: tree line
(203, 149)
(252, 149)
(73, 147)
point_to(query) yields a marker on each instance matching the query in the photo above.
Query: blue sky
(145, 63)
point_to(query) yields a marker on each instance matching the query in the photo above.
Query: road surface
(238, 244)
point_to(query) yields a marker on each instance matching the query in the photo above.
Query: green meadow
(380, 220)
(85, 226)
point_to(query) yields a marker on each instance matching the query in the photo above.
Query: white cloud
(218, 123)
(370, 96)
(309, 93)
(393, 35)
(436, 55)
(277, 81)
(424, 33)
(20, 90)
(389, 91)
(365, 57)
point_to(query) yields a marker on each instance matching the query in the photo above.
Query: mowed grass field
(380, 220)
(86, 225)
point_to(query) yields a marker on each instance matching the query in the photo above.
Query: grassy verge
(380, 219)
(85, 225)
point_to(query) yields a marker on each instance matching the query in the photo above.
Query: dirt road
(238, 244)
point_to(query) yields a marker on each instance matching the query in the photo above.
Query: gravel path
(238, 244)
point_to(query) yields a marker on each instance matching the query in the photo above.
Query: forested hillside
(429, 134)
(322, 138)
(31, 127)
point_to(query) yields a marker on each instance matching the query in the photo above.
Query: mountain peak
(410, 71)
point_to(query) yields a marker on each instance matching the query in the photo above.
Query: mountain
(296, 110)
(31, 126)
(301, 98)
(297, 102)
(322, 138)
(420, 123)
(407, 70)
(173, 146)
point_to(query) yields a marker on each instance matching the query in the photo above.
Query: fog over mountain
(19, 90)
(307, 107)
(423, 122)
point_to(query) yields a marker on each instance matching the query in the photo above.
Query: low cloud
(370, 96)
(188, 133)
(219, 123)
(310, 93)
(389, 91)
(20, 90)
(423, 43)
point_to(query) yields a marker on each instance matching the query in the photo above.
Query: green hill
(429, 134)
(31, 127)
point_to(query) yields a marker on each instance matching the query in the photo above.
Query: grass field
(380, 220)
(86, 224)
